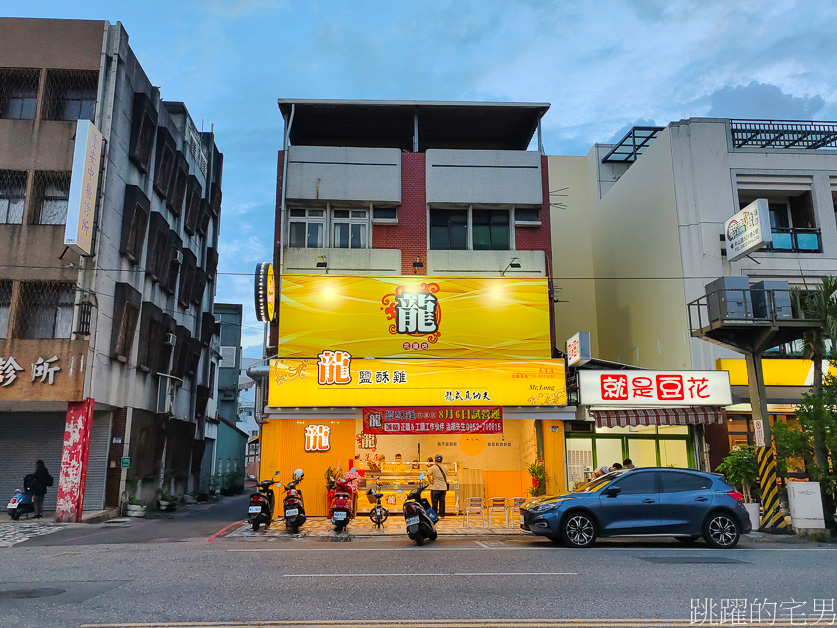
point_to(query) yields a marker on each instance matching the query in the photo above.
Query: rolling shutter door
(97, 463)
(29, 436)
(24, 438)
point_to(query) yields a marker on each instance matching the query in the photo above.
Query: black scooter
(419, 518)
(293, 507)
(261, 504)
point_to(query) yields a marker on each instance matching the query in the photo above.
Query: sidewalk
(361, 526)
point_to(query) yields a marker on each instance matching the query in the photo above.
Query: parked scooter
(261, 504)
(379, 513)
(293, 506)
(419, 518)
(20, 504)
(341, 506)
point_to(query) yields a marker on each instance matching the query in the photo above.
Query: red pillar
(74, 461)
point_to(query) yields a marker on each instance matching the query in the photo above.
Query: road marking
(441, 623)
(491, 544)
(212, 538)
(684, 552)
(384, 575)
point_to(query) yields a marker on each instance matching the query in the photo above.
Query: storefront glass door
(643, 452)
(674, 453)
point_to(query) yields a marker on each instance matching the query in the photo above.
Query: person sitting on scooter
(438, 486)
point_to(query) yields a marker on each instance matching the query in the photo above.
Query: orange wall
(283, 450)
(553, 453)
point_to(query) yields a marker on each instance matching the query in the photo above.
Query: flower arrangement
(352, 479)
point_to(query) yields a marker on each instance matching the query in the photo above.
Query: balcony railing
(796, 241)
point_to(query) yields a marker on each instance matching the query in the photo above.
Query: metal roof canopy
(391, 123)
(633, 144)
(783, 134)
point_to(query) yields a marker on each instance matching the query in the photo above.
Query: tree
(817, 428)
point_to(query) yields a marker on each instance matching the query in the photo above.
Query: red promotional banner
(70, 497)
(433, 420)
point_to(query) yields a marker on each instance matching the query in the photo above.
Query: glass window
(681, 482)
(674, 453)
(12, 196)
(579, 460)
(608, 451)
(526, 215)
(491, 229)
(18, 94)
(449, 229)
(384, 213)
(70, 94)
(635, 483)
(643, 451)
(306, 228)
(350, 228)
(52, 193)
(5, 305)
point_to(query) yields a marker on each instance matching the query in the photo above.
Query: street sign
(126, 463)
(578, 349)
(758, 428)
(748, 230)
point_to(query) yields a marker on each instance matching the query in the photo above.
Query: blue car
(682, 503)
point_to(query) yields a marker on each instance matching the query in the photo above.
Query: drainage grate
(337, 538)
(696, 560)
(28, 594)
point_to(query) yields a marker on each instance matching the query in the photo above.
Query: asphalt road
(111, 575)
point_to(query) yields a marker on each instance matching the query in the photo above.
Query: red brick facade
(410, 234)
(538, 238)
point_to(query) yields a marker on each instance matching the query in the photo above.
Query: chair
(498, 504)
(514, 507)
(474, 506)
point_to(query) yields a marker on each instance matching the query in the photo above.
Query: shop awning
(658, 416)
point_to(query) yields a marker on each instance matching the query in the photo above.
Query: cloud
(624, 130)
(760, 100)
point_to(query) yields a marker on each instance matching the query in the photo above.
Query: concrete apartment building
(130, 325)
(638, 232)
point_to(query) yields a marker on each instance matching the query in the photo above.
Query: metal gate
(29, 436)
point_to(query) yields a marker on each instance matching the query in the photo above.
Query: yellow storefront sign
(776, 372)
(334, 379)
(415, 317)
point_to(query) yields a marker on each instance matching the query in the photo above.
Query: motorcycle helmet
(438, 458)
(299, 474)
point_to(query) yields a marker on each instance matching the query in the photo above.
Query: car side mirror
(613, 491)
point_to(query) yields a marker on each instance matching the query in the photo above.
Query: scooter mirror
(252, 477)
(299, 474)
(398, 490)
(421, 477)
(354, 470)
(277, 473)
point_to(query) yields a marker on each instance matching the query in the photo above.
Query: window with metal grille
(45, 309)
(70, 95)
(51, 194)
(5, 306)
(18, 94)
(12, 196)
(126, 308)
(143, 129)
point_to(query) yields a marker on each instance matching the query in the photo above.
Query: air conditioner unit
(165, 396)
(177, 257)
(170, 340)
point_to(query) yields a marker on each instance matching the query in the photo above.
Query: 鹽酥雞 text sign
(433, 420)
(336, 379)
(639, 388)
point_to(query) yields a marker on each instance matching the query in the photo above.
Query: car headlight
(547, 506)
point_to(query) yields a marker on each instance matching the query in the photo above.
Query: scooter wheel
(15, 515)
(294, 529)
(340, 527)
(255, 526)
(434, 535)
(419, 540)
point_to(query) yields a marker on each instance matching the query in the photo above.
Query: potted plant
(741, 469)
(135, 508)
(538, 473)
(165, 502)
(214, 482)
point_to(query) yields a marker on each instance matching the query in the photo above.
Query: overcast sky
(604, 66)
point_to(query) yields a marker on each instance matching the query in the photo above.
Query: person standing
(438, 486)
(38, 483)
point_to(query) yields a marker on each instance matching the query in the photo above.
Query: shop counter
(396, 476)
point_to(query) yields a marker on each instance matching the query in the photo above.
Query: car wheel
(579, 530)
(688, 539)
(255, 526)
(722, 531)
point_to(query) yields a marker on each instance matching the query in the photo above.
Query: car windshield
(594, 485)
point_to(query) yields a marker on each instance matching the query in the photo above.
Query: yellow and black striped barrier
(771, 518)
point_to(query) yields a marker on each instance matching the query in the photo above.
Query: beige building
(638, 231)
